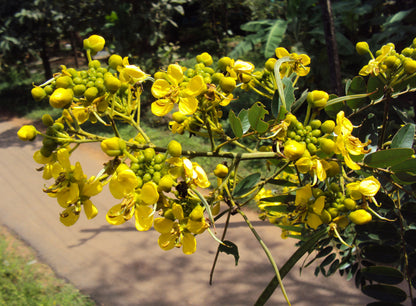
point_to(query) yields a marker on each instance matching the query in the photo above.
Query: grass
(25, 281)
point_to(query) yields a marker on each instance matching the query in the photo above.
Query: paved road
(120, 266)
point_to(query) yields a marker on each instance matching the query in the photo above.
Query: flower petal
(161, 107)
(149, 194)
(144, 217)
(188, 105)
(90, 210)
(160, 88)
(188, 244)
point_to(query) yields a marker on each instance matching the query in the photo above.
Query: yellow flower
(137, 204)
(375, 66)
(131, 73)
(307, 210)
(345, 143)
(196, 173)
(312, 164)
(180, 232)
(169, 92)
(123, 182)
(299, 64)
(144, 217)
(367, 187)
(72, 189)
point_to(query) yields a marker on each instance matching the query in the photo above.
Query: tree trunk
(45, 60)
(332, 48)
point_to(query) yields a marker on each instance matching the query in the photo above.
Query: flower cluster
(315, 157)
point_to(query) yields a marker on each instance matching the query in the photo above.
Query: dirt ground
(117, 265)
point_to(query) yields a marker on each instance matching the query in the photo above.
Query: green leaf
(274, 37)
(408, 166)
(282, 182)
(289, 92)
(256, 115)
(405, 172)
(243, 115)
(307, 246)
(387, 158)
(298, 103)
(281, 198)
(291, 228)
(330, 258)
(257, 25)
(276, 104)
(375, 85)
(282, 208)
(385, 293)
(231, 249)
(324, 252)
(334, 106)
(246, 184)
(403, 115)
(357, 86)
(404, 137)
(385, 275)
(334, 267)
(235, 124)
(381, 253)
(410, 237)
(279, 82)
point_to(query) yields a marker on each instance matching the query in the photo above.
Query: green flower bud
(178, 117)
(409, 66)
(362, 48)
(149, 154)
(407, 52)
(327, 145)
(349, 204)
(317, 99)
(64, 82)
(217, 77)
(95, 64)
(333, 169)
(47, 120)
(227, 84)
(328, 126)
(174, 148)
(61, 97)
(315, 124)
(112, 83)
(79, 90)
(27, 133)
(223, 63)
(48, 89)
(114, 61)
(114, 146)
(221, 171)
(325, 216)
(91, 93)
(38, 93)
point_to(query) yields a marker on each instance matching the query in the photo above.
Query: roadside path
(121, 266)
